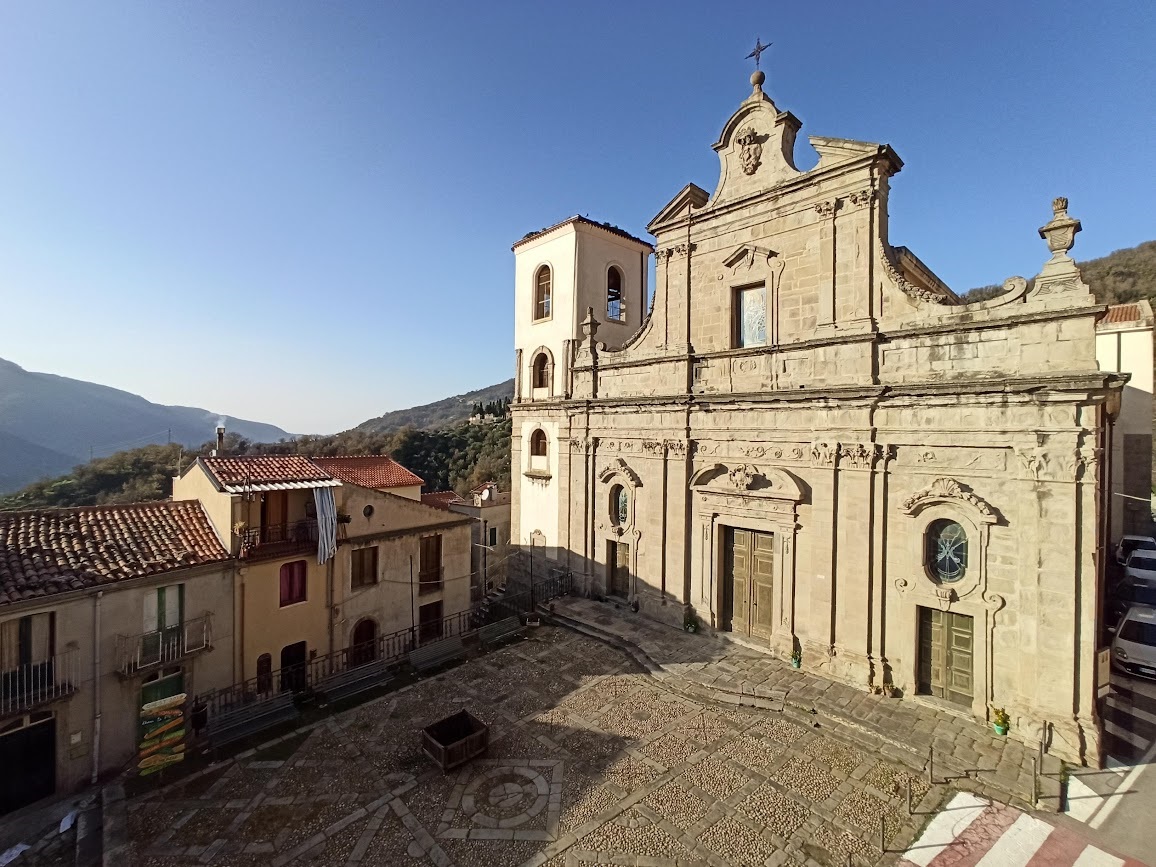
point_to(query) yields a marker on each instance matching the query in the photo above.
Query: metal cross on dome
(759, 49)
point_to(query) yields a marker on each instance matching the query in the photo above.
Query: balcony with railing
(163, 646)
(276, 540)
(27, 687)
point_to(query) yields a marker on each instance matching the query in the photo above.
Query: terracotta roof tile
(606, 227)
(265, 469)
(49, 551)
(442, 499)
(370, 471)
(1122, 313)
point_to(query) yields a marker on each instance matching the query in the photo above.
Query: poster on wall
(162, 724)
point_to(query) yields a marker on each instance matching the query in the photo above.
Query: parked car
(1128, 544)
(1134, 647)
(1126, 595)
(1141, 567)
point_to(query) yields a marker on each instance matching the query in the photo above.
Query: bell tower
(560, 273)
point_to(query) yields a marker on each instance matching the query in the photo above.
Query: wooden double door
(748, 581)
(946, 651)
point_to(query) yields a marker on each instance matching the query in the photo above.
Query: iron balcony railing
(390, 648)
(274, 539)
(163, 646)
(28, 686)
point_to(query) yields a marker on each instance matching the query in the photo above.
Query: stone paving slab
(591, 761)
(719, 670)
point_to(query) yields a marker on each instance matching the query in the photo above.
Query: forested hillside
(459, 457)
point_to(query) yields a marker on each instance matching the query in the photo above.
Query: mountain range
(49, 424)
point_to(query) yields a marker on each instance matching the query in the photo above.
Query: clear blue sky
(302, 213)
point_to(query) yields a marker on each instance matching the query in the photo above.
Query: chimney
(220, 449)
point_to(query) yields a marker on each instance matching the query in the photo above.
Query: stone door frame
(747, 498)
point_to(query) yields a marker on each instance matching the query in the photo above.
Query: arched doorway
(364, 645)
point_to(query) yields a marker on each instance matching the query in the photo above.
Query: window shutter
(152, 603)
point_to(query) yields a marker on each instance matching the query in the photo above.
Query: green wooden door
(946, 651)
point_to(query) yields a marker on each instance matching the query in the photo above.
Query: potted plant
(1000, 720)
(690, 622)
(796, 658)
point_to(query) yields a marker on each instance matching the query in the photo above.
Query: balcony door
(27, 645)
(164, 613)
(274, 516)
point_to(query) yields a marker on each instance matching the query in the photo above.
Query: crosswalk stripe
(1093, 857)
(1061, 847)
(970, 846)
(963, 809)
(1132, 711)
(1018, 844)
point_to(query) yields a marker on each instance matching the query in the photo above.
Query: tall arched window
(541, 371)
(264, 673)
(538, 444)
(615, 304)
(542, 289)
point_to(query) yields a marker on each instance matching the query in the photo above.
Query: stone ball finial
(757, 79)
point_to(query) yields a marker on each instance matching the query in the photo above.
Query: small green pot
(796, 663)
(999, 730)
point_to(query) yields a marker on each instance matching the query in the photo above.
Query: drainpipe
(96, 687)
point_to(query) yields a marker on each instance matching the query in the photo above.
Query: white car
(1128, 544)
(1134, 647)
(1141, 567)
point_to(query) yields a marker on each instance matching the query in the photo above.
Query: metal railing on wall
(392, 648)
(163, 646)
(26, 686)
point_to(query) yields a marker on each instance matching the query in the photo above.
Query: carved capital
(652, 447)
(823, 454)
(862, 456)
(827, 208)
(861, 197)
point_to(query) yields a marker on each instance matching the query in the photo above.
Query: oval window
(619, 505)
(946, 555)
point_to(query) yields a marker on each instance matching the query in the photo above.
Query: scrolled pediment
(748, 255)
(749, 480)
(619, 467)
(948, 491)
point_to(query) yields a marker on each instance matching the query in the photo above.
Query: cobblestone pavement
(590, 760)
(720, 670)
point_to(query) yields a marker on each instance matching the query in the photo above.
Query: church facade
(810, 444)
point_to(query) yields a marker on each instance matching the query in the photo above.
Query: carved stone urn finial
(1060, 232)
(589, 325)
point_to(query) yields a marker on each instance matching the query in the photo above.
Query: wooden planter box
(455, 740)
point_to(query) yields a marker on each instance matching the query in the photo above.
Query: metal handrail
(26, 686)
(163, 646)
(390, 648)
